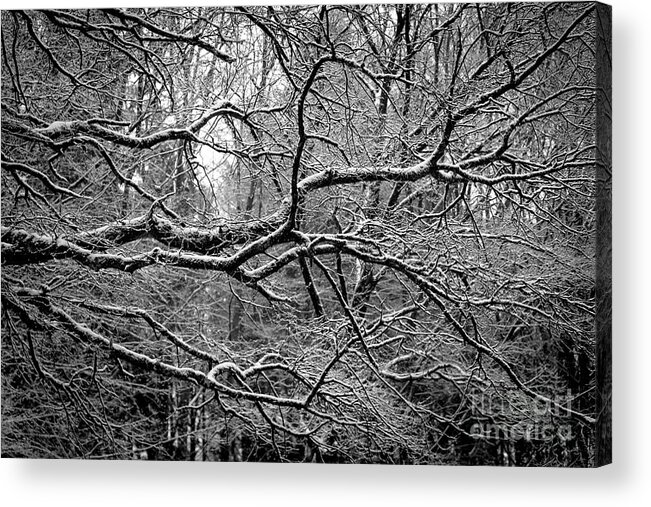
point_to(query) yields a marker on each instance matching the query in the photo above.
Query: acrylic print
(319, 234)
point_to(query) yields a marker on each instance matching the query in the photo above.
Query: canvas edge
(603, 279)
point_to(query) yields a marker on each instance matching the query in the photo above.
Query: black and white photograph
(374, 234)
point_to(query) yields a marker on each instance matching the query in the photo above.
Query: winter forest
(325, 234)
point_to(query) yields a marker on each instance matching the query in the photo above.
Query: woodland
(326, 234)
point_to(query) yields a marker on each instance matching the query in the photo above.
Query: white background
(626, 482)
